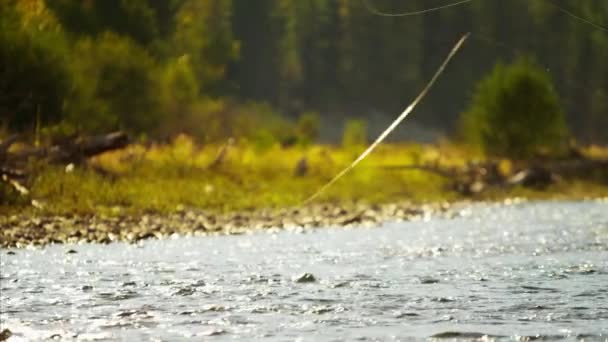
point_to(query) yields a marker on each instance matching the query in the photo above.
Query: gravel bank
(22, 231)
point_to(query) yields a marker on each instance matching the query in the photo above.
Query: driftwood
(75, 150)
(475, 178)
(71, 151)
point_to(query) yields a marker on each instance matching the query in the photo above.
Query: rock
(212, 332)
(198, 283)
(428, 281)
(406, 314)
(71, 251)
(185, 291)
(305, 278)
(5, 334)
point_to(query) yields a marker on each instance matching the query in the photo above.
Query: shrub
(179, 98)
(355, 133)
(307, 128)
(515, 112)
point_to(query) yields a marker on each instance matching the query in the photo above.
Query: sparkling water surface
(521, 271)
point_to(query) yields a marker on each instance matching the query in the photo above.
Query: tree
(116, 86)
(34, 78)
(203, 32)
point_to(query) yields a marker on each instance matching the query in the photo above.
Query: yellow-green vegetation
(240, 176)
(184, 174)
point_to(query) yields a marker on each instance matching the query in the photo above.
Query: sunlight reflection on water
(526, 269)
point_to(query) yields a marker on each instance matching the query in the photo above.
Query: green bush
(515, 112)
(307, 127)
(355, 133)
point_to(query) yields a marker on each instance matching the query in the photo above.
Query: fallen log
(75, 151)
(103, 143)
(84, 148)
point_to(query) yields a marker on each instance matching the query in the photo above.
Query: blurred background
(216, 69)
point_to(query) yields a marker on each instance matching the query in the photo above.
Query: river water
(520, 271)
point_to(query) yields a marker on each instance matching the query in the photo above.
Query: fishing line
(484, 38)
(514, 50)
(375, 11)
(395, 123)
(577, 17)
(571, 14)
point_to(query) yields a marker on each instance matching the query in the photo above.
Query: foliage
(257, 123)
(327, 56)
(143, 21)
(34, 78)
(355, 133)
(515, 112)
(115, 86)
(179, 93)
(307, 127)
(203, 32)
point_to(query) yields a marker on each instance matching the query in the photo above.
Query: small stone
(87, 288)
(429, 281)
(212, 332)
(305, 278)
(405, 314)
(185, 291)
(71, 251)
(5, 334)
(10, 253)
(198, 283)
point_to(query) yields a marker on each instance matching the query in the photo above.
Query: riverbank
(236, 176)
(183, 188)
(25, 230)
(29, 231)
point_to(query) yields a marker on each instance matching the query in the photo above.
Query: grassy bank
(181, 175)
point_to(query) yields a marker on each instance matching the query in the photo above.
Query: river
(520, 271)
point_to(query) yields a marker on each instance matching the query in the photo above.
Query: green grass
(170, 177)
